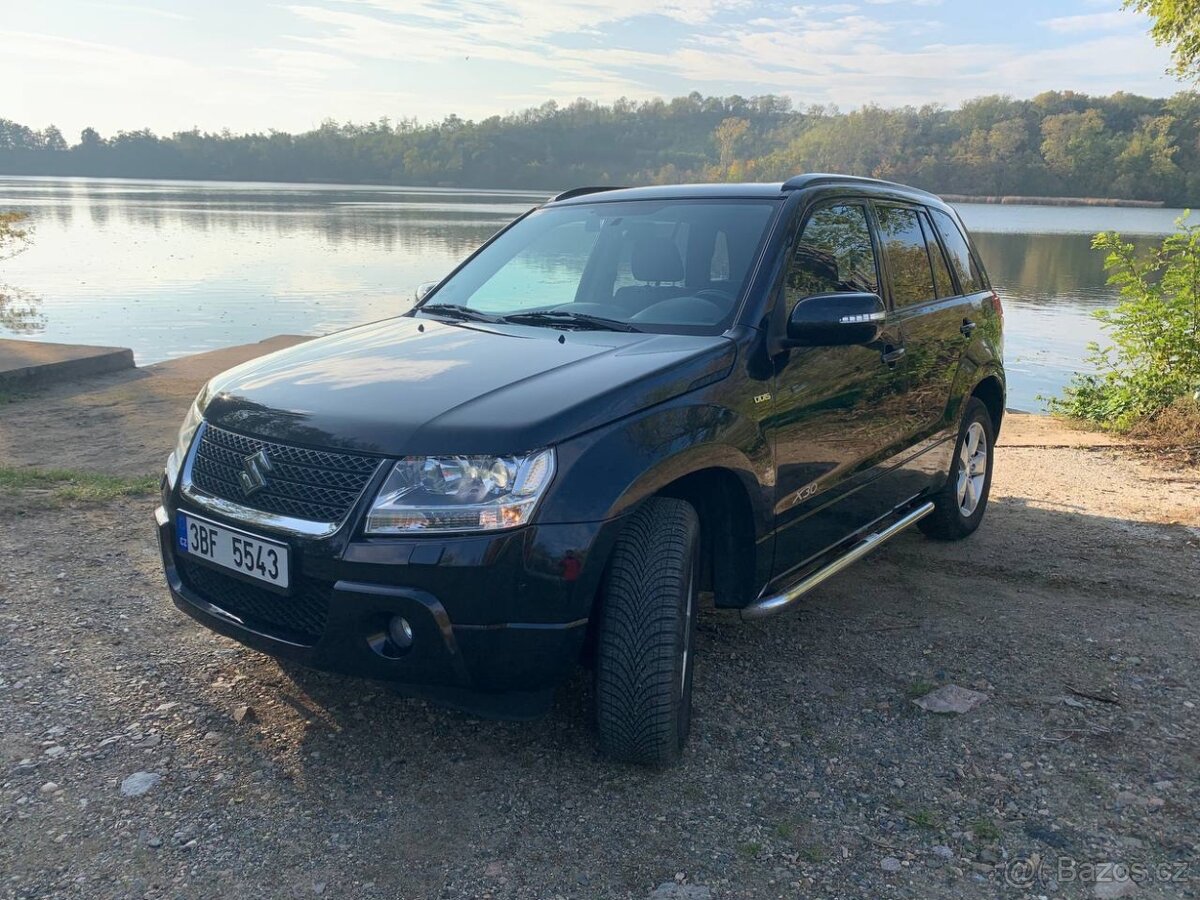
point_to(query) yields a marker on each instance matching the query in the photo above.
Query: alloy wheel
(972, 469)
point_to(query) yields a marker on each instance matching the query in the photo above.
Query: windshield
(650, 265)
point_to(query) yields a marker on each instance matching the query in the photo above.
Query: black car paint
(630, 415)
(419, 385)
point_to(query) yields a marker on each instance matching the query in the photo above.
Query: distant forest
(1056, 144)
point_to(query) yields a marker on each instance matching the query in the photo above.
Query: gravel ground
(810, 772)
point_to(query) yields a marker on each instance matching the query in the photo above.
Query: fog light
(400, 632)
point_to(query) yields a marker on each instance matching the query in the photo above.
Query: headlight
(460, 493)
(183, 443)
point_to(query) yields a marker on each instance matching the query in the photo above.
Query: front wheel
(959, 506)
(647, 624)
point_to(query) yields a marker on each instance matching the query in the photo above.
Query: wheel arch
(729, 549)
(990, 391)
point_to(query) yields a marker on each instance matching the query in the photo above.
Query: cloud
(1103, 21)
(537, 18)
(306, 60)
(486, 38)
(114, 87)
(302, 63)
(146, 11)
(844, 53)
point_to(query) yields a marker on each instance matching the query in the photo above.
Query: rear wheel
(644, 641)
(960, 505)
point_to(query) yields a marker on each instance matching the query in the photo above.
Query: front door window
(834, 255)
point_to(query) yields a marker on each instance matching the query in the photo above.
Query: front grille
(317, 485)
(299, 618)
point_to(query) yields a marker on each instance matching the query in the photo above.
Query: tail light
(997, 306)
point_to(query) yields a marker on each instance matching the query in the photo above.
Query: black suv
(624, 398)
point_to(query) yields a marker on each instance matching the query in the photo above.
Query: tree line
(1059, 143)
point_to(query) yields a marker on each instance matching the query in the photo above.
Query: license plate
(229, 548)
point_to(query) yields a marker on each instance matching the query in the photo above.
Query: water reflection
(1049, 269)
(1050, 285)
(20, 312)
(170, 268)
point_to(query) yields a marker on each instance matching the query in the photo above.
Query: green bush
(1154, 359)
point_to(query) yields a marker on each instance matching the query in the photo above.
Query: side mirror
(836, 320)
(424, 288)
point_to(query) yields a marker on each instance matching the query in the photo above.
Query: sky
(251, 65)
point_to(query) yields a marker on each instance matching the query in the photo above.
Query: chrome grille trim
(242, 512)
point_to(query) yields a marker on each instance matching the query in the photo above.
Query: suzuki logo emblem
(254, 472)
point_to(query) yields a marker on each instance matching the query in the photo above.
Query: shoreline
(987, 199)
(1013, 200)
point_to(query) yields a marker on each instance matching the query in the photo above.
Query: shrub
(1154, 359)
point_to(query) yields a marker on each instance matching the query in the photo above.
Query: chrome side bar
(768, 606)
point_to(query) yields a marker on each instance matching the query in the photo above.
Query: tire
(954, 517)
(647, 626)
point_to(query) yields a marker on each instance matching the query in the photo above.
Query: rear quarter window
(970, 276)
(907, 256)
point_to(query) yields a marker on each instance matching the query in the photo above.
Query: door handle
(892, 355)
(967, 327)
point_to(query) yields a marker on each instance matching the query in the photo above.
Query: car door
(930, 311)
(833, 422)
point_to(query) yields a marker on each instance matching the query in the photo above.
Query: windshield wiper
(566, 318)
(458, 311)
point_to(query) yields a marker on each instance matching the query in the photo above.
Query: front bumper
(490, 614)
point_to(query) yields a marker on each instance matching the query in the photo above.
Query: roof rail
(582, 192)
(816, 179)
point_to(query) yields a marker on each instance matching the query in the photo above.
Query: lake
(170, 268)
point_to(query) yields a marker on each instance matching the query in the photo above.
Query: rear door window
(907, 257)
(834, 254)
(963, 263)
(941, 269)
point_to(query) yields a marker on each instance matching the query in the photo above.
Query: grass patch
(924, 818)
(813, 853)
(985, 830)
(10, 394)
(749, 850)
(80, 487)
(919, 689)
(785, 830)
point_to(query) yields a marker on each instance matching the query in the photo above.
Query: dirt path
(809, 773)
(128, 417)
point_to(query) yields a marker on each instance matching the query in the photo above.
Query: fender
(607, 472)
(969, 377)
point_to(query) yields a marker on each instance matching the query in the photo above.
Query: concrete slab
(30, 364)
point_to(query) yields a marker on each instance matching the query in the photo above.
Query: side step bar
(768, 606)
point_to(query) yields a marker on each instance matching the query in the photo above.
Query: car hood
(418, 386)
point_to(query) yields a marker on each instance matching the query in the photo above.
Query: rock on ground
(950, 698)
(139, 783)
(1112, 890)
